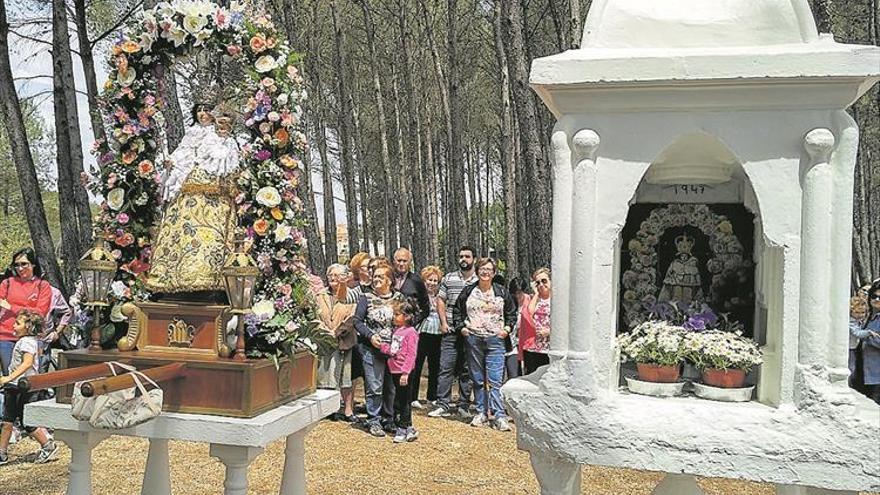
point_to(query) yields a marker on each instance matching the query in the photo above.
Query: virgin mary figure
(198, 225)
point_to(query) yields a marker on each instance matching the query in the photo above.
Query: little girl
(401, 352)
(25, 362)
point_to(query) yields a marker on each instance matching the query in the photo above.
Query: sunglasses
(24, 264)
(543, 281)
(875, 297)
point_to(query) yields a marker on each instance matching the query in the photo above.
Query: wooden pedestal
(211, 384)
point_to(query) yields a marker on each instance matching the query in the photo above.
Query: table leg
(236, 459)
(677, 484)
(157, 475)
(80, 468)
(293, 479)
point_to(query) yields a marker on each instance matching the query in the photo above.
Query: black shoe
(351, 419)
(337, 416)
(376, 430)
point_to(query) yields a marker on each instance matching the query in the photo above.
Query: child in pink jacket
(401, 352)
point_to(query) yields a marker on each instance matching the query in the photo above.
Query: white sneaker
(479, 420)
(501, 424)
(16, 435)
(440, 412)
(417, 405)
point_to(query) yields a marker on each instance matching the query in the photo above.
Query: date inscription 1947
(689, 189)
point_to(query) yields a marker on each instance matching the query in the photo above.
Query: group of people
(468, 325)
(864, 341)
(33, 315)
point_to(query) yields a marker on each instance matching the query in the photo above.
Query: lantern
(98, 269)
(240, 273)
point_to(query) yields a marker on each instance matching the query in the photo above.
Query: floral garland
(640, 281)
(268, 208)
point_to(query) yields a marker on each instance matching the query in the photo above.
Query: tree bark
(344, 134)
(362, 172)
(432, 180)
(506, 151)
(10, 111)
(63, 63)
(575, 29)
(390, 231)
(88, 62)
(402, 187)
(459, 234)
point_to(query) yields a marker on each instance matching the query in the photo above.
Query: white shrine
(705, 102)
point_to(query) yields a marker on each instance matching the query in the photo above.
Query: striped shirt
(451, 286)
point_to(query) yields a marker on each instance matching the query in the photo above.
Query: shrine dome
(690, 24)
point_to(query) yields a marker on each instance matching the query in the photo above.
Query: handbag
(128, 407)
(81, 407)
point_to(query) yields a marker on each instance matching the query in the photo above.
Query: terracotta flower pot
(657, 373)
(732, 378)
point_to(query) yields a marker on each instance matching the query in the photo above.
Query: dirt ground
(449, 458)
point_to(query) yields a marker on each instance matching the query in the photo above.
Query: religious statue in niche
(687, 254)
(682, 281)
(198, 225)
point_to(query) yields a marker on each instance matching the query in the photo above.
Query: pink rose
(122, 218)
(233, 50)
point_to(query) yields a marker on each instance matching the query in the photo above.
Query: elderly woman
(869, 332)
(535, 341)
(337, 318)
(429, 340)
(374, 321)
(484, 314)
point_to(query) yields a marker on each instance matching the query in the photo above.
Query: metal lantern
(240, 272)
(98, 269)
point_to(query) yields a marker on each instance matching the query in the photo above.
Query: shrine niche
(689, 254)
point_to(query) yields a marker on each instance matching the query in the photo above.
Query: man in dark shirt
(409, 284)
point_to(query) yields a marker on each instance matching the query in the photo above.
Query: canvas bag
(81, 407)
(128, 407)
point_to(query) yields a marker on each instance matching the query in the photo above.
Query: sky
(32, 60)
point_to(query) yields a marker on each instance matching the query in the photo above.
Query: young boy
(25, 362)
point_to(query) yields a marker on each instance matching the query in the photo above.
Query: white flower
(265, 63)
(195, 8)
(147, 40)
(176, 35)
(115, 198)
(282, 232)
(264, 309)
(164, 9)
(282, 99)
(203, 36)
(118, 288)
(194, 24)
(126, 77)
(268, 196)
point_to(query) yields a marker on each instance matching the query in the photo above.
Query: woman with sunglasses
(535, 339)
(870, 335)
(24, 290)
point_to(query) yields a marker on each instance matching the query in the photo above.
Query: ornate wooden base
(211, 384)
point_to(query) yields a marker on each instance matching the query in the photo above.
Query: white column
(157, 475)
(816, 228)
(585, 143)
(236, 459)
(556, 476)
(677, 484)
(809, 490)
(80, 468)
(561, 258)
(293, 479)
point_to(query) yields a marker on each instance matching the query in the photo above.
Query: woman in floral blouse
(484, 314)
(535, 349)
(374, 321)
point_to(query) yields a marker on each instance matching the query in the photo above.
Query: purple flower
(263, 155)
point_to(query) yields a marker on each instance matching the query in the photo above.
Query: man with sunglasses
(453, 361)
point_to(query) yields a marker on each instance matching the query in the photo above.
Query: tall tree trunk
(432, 177)
(535, 165)
(344, 134)
(317, 261)
(390, 234)
(63, 62)
(88, 63)
(574, 24)
(10, 112)
(362, 171)
(506, 151)
(459, 234)
(403, 188)
(331, 249)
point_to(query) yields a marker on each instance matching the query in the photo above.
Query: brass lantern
(98, 269)
(240, 272)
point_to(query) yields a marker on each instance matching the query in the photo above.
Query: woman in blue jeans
(374, 322)
(484, 314)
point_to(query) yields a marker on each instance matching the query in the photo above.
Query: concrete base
(234, 441)
(678, 484)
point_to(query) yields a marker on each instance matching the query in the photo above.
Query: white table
(234, 441)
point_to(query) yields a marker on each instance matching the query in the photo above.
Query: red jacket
(526, 332)
(35, 295)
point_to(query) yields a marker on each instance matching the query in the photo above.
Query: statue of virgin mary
(198, 225)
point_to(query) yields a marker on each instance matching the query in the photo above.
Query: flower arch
(268, 207)
(640, 282)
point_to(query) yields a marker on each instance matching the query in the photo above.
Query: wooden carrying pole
(64, 377)
(114, 383)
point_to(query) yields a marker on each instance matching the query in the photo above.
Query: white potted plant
(723, 357)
